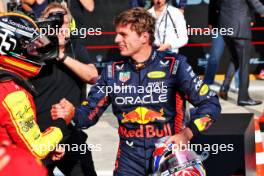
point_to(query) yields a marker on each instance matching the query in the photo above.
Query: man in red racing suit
(18, 120)
(19, 60)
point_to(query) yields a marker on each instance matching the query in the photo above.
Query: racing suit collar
(9, 75)
(141, 65)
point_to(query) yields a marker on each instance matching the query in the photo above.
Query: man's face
(64, 31)
(159, 3)
(129, 42)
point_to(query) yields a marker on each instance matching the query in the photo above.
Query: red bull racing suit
(18, 118)
(144, 102)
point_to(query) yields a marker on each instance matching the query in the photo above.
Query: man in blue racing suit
(145, 90)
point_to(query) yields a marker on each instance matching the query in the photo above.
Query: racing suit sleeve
(205, 101)
(23, 129)
(95, 104)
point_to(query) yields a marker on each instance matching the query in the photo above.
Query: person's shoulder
(174, 10)
(75, 43)
(114, 62)
(151, 10)
(173, 60)
(114, 65)
(181, 57)
(176, 59)
(177, 56)
(77, 49)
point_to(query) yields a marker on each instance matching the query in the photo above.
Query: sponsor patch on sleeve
(204, 90)
(85, 103)
(203, 123)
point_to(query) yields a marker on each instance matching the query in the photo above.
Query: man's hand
(64, 110)
(57, 154)
(181, 138)
(163, 47)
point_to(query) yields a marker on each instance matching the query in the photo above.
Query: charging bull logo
(142, 115)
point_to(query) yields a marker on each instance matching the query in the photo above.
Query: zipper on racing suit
(144, 127)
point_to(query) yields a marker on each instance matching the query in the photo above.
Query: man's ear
(145, 37)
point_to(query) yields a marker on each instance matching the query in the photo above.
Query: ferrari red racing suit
(18, 119)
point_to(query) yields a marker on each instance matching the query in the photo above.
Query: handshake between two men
(64, 109)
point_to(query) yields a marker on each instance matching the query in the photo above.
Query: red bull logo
(150, 131)
(142, 115)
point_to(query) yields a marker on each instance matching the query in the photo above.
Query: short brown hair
(140, 20)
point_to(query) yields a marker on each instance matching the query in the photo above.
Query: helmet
(170, 162)
(22, 49)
